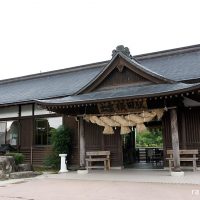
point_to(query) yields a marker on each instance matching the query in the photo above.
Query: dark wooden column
(175, 140)
(32, 138)
(82, 142)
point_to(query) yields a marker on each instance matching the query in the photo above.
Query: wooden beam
(82, 142)
(175, 140)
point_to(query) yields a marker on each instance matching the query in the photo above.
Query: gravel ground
(62, 189)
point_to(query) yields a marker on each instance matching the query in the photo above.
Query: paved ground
(132, 175)
(117, 186)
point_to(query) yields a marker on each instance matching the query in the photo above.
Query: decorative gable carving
(120, 68)
(121, 77)
(120, 72)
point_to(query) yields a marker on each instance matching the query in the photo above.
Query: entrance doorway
(144, 150)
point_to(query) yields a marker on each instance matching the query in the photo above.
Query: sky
(43, 35)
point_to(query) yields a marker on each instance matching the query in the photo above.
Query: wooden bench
(98, 156)
(186, 155)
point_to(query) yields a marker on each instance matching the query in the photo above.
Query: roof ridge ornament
(122, 49)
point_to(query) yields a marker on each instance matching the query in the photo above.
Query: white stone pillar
(63, 166)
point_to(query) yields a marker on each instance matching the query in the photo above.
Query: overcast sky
(43, 35)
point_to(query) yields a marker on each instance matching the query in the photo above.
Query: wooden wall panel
(117, 78)
(73, 125)
(189, 130)
(192, 120)
(39, 154)
(93, 137)
(113, 143)
(26, 132)
(95, 140)
(167, 142)
(27, 153)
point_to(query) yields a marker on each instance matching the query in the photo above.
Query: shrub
(52, 161)
(61, 143)
(61, 140)
(18, 157)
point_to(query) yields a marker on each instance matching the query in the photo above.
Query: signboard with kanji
(121, 107)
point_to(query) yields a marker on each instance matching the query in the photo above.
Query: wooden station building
(166, 80)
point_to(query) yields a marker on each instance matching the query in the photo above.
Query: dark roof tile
(49, 86)
(178, 67)
(177, 64)
(128, 92)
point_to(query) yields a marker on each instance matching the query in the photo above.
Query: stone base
(85, 171)
(181, 173)
(117, 168)
(63, 171)
(24, 167)
(3, 175)
(7, 164)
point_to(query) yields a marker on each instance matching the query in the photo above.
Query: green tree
(149, 139)
(61, 143)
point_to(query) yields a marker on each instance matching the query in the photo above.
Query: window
(2, 132)
(44, 127)
(40, 111)
(7, 112)
(26, 110)
(12, 132)
(9, 132)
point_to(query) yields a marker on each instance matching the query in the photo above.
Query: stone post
(63, 166)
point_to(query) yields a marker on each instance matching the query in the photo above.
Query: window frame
(48, 128)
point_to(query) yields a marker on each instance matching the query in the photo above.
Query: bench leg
(87, 164)
(108, 164)
(105, 165)
(194, 165)
(170, 166)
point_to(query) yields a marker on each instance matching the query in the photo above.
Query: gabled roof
(177, 64)
(132, 65)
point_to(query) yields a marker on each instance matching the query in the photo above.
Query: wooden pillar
(175, 140)
(82, 142)
(33, 133)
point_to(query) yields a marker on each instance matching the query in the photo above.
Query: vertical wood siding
(39, 154)
(121, 78)
(26, 132)
(73, 125)
(190, 127)
(95, 140)
(189, 133)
